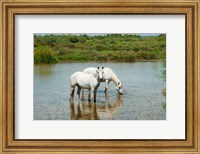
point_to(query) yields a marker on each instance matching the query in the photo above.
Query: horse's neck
(95, 75)
(115, 79)
(97, 78)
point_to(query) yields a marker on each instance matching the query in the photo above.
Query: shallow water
(142, 97)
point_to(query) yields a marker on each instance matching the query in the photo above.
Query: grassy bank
(99, 48)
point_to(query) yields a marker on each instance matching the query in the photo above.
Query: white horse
(108, 75)
(85, 81)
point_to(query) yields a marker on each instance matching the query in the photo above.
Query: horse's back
(76, 74)
(80, 75)
(73, 78)
(90, 70)
(108, 69)
(108, 72)
(83, 79)
(87, 80)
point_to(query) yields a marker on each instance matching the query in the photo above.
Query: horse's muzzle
(120, 91)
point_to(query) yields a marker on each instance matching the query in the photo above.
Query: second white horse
(108, 75)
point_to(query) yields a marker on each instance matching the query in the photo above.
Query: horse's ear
(102, 67)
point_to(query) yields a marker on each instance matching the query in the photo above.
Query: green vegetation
(44, 54)
(104, 48)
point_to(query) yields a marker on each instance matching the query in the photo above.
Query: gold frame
(190, 8)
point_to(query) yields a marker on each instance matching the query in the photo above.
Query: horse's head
(100, 73)
(119, 87)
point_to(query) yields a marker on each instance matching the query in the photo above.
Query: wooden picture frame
(10, 8)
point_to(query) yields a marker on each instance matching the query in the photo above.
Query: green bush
(73, 38)
(44, 54)
(110, 47)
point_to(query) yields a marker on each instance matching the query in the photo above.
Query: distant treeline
(99, 48)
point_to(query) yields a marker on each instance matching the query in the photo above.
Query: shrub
(73, 38)
(110, 47)
(44, 54)
(99, 47)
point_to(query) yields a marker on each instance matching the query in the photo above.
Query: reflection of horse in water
(95, 111)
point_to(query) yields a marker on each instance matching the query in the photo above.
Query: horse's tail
(72, 82)
(72, 86)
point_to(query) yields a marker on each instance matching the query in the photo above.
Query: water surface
(142, 97)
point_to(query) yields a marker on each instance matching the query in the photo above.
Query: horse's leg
(82, 91)
(79, 92)
(89, 95)
(98, 85)
(92, 94)
(72, 91)
(95, 94)
(82, 95)
(106, 88)
(95, 91)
